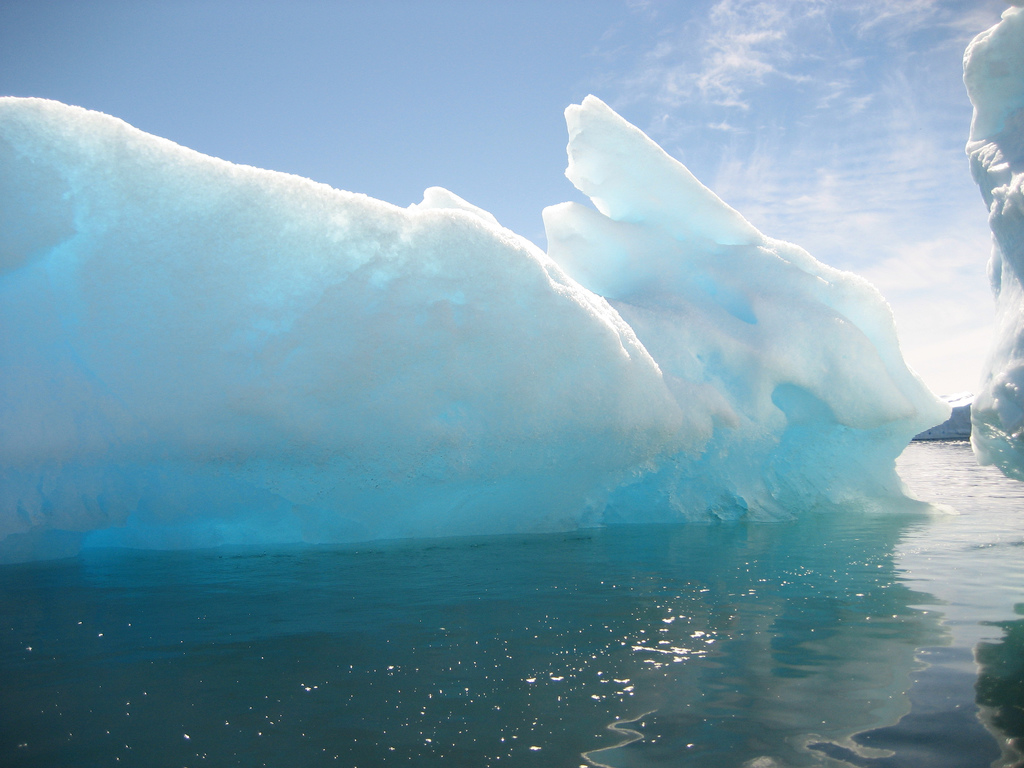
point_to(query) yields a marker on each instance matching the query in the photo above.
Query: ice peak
(630, 178)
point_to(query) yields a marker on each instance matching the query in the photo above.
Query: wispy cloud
(891, 15)
(747, 41)
(736, 47)
(903, 17)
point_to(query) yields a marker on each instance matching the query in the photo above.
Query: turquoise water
(885, 641)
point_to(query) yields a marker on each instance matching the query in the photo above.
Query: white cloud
(891, 15)
(738, 45)
(724, 126)
(903, 17)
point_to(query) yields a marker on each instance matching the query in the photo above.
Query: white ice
(196, 353)
(994, 75)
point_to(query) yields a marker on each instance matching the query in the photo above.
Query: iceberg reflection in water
(780, 644)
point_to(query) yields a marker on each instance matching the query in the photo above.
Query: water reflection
(818, 642)
(1000, 687)
(719, 645)
(828, 641)
(941, 730)
(972, 564)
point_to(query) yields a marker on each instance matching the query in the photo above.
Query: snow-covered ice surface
(196, 353)
(994, 75)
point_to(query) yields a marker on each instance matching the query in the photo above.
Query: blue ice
(198, 353)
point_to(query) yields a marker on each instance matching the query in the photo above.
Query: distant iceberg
(994, 75)
(197, 353)
(958, 425)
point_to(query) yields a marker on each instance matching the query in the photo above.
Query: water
(889, 641)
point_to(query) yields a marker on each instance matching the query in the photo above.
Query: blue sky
(835, 124)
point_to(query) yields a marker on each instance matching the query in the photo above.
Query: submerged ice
(994, 75)
(196, 353)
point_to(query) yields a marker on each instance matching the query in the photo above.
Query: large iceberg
(994, 75)
(196, 353)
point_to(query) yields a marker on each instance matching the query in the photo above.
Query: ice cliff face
(994, 75)
(196, 353)
(794, 366)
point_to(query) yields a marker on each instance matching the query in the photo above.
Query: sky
(838, 125)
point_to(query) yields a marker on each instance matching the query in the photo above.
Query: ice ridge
(198, 353)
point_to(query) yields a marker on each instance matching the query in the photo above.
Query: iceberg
(958, 425)
(994, 76)
(198, 353)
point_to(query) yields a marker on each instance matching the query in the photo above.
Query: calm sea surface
(887, 641)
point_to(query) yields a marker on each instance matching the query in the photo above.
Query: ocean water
(864, 640)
